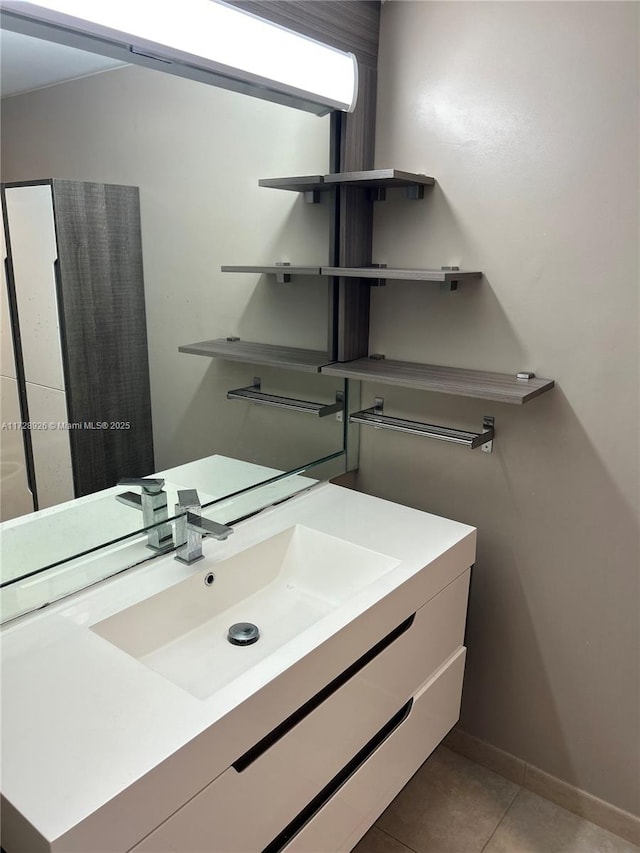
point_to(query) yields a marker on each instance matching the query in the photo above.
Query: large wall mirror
(195, 153)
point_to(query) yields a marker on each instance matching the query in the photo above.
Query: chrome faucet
(153, 503)
(191, 527)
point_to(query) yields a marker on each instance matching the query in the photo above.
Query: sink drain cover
(243, 634)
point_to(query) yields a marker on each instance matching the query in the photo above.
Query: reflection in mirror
(194, 155)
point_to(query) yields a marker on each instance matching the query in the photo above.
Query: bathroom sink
(283, 586)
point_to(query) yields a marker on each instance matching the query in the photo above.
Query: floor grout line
(499, 824)
(389, 835)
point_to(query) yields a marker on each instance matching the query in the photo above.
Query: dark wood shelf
(300, 184)
(448, 276)
(274, 269)
(500, 387)
(442, 276)
(291, 358)
(379, 179)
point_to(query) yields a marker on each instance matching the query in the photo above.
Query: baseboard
(486, 754)
(606, 815)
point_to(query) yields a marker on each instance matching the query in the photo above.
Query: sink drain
(243, 634)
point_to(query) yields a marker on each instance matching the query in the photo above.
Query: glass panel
(25, 587)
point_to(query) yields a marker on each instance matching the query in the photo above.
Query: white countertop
(82, 720)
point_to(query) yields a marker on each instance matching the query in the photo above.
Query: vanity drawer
(276, 779)
(345, 818)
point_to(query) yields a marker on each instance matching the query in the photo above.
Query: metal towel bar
(375, 417)
(253, 394)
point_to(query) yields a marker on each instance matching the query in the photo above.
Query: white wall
(197, 153)
(527, 115)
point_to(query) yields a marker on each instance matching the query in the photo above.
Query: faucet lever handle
(130, 499)
(153, 503)
(208, 527)
(188, 499)
(149, 485)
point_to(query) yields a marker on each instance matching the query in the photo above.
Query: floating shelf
(234, 349)
(380, 179)
(500, 387)
(301, 184)
(443, 276)
(277, 269)
(447, 275)
(309, 185)
(377, 180)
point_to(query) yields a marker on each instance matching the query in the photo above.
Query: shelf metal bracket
(254, 394)
(449, 285)
(376, 418)
(488, 424)
(282, 277)
(415, 191)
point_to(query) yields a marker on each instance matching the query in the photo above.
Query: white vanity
(130, 723)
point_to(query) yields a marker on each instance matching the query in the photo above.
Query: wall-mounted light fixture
(206, 40)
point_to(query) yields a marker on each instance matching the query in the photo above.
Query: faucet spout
(191, 527)
(153, 503)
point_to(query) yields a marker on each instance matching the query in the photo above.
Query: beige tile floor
(453, 805)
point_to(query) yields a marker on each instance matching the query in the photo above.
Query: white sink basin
(283, 585)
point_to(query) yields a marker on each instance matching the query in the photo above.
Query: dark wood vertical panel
(356, 221)
(358, 139)
(353, 319)
(102, 309)
(334, 237)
